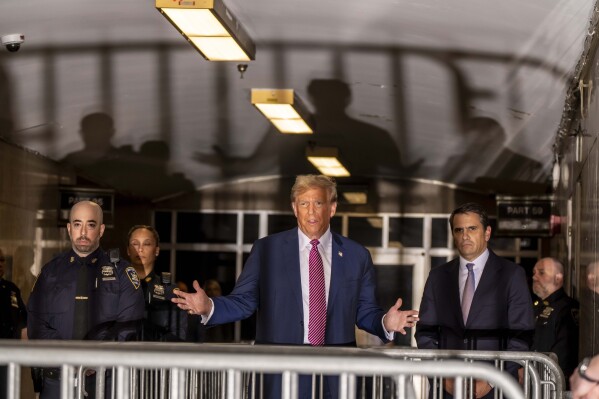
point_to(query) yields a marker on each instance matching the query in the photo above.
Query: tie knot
(314, 243)
(469, 266)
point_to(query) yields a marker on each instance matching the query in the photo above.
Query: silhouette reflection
(143, 174)
(485, 159)
(366, 149)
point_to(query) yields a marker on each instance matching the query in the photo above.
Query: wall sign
(71, 195)
(524, 216)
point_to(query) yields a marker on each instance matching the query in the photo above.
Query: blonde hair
(306, 182)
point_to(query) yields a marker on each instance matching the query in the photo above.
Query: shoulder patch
(133, 277)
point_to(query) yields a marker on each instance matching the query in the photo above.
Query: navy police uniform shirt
(13, 316)
(556, 329)
(163, 320)
(85, 298)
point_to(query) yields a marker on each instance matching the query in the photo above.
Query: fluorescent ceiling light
(355, 197)
(284, 109)
(326, 160)
(210, 27)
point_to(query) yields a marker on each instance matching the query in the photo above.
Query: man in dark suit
(477, 301)
(277, 282)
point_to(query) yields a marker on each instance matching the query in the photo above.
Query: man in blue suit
(499, 315)
(276, 283)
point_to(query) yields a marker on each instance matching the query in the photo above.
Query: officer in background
(13, 316)
(84, 294)
(163, 320)
(556, 314)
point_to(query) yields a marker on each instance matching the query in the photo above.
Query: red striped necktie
(317, 298)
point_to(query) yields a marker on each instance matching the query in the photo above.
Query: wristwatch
(582, 369)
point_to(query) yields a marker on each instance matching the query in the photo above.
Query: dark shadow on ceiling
(498, 168)
(365, 149)
(368, 150)
(143, 174)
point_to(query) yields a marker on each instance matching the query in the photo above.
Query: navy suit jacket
(270, 284)
(501, 314)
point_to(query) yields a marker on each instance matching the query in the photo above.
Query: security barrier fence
(230, 371)
(541, 376)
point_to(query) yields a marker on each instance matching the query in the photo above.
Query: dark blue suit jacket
(500, 318)
(271, 285)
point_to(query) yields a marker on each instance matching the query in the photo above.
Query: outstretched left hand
(398, 320)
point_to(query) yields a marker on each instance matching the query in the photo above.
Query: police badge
(108, 273)
(159, 291)
(546, 312)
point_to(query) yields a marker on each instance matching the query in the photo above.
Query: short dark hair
(471, 207)
(144, 226)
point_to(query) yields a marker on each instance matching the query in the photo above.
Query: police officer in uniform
(163, 320)
(84, 294)
(556, 315)
(13, 315)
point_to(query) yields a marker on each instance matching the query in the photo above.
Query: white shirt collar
(324, 240)
(478, 262)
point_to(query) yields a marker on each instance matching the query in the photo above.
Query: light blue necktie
(468, 293)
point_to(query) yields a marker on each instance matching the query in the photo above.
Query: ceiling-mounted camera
(242, 68)
(13, 41)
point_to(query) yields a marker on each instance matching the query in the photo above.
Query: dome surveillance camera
(13, 41)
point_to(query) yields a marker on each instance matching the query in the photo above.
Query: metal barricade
(164, 370)
(542, 377)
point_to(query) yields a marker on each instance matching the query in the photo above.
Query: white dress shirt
(479, 267)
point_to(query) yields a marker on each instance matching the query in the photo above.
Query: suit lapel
(291, 264)
(337, 267)
(453, 296)
(485, 285)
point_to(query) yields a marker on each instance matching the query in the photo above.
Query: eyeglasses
(582, 369)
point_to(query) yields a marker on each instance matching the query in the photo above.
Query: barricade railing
(541, 375)
(183, 370)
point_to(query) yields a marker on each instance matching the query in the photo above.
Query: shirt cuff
(389, 335)
(206, 319)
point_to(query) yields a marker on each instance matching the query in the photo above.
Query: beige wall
(28, 196)
(28, 202)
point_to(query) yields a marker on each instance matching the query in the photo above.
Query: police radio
(169, 288)
(115, 256)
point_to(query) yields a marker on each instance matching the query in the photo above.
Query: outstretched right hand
(193, 302)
